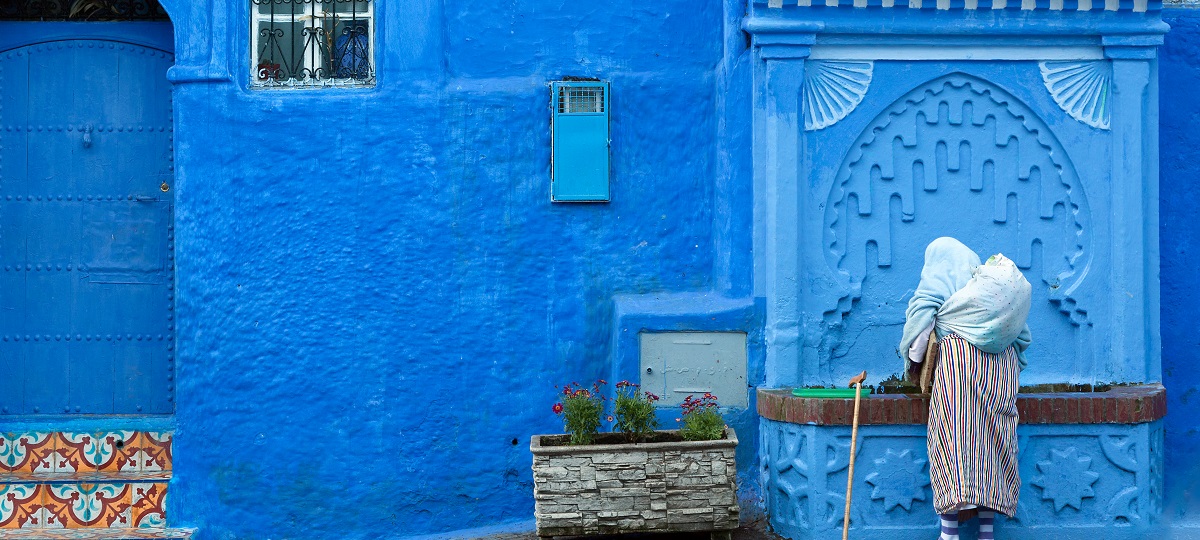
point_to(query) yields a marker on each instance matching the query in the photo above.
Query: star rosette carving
(898, 479)
(1066, 479)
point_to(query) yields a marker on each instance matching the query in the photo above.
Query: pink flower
(651, 396)
(558, 408)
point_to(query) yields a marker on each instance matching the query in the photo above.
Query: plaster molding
(786, 457)
(832, 89)
(197, 74)
(957, 52)
(990, 27)
(783, 41)
(1082, 89)
(803, 476)
(784, 52)
(1066, 478)
(1134, 6)
(899, 478)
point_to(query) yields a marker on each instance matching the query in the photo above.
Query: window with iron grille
(312, 43)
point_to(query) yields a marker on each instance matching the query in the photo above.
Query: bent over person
(965, 334)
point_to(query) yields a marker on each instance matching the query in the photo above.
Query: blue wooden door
(86, 245)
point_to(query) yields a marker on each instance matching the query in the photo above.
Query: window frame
(323, 9)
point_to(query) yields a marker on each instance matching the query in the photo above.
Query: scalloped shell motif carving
(832, 89)
(1082, 89)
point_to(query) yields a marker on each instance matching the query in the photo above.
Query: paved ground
(754, 531)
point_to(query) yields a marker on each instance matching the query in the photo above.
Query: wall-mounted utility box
(678, 364)
(579, 141)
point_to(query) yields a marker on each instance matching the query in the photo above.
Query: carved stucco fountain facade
(1028, 129)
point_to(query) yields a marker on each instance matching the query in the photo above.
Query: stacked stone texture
(612, 489)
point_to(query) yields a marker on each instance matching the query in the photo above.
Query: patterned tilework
(105, 481)
(75, 506)
(82, 505)
(20, 506)
(149, 506)
(68, 452)
(26, 451)
(154, 451)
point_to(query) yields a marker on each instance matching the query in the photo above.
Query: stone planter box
(626, 488)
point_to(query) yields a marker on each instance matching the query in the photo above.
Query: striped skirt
(973, 428)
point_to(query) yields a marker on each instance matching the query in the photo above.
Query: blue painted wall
(376, 296)
(1179, 72)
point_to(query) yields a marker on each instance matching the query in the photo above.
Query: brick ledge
(1120, 405)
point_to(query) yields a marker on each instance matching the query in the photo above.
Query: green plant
(634, 411)
(581, 409)
(701, 422)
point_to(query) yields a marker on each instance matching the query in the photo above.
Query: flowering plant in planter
(634, 411)
(635, 479)
(581, 409)
(700, 419)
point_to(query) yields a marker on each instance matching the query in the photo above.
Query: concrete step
(94, 534)
(85, 477)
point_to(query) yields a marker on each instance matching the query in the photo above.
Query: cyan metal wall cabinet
(579, 141)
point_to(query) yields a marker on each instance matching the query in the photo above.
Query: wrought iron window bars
(312, 43)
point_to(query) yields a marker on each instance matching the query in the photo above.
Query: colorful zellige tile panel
(74, 506)
(102, 451)
(26, 452)
(20, 506)
(149, 506)
(101, 481)
(65, 452)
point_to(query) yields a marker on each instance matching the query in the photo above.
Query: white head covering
(948, 267)
(985, 310)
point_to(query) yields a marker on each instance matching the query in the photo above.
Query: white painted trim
(943, 52)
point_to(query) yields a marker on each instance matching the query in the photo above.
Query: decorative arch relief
(1082, 89)
(957, 155)
(832, 89)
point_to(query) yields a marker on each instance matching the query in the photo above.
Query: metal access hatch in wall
(678, 364)
(579, 141)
